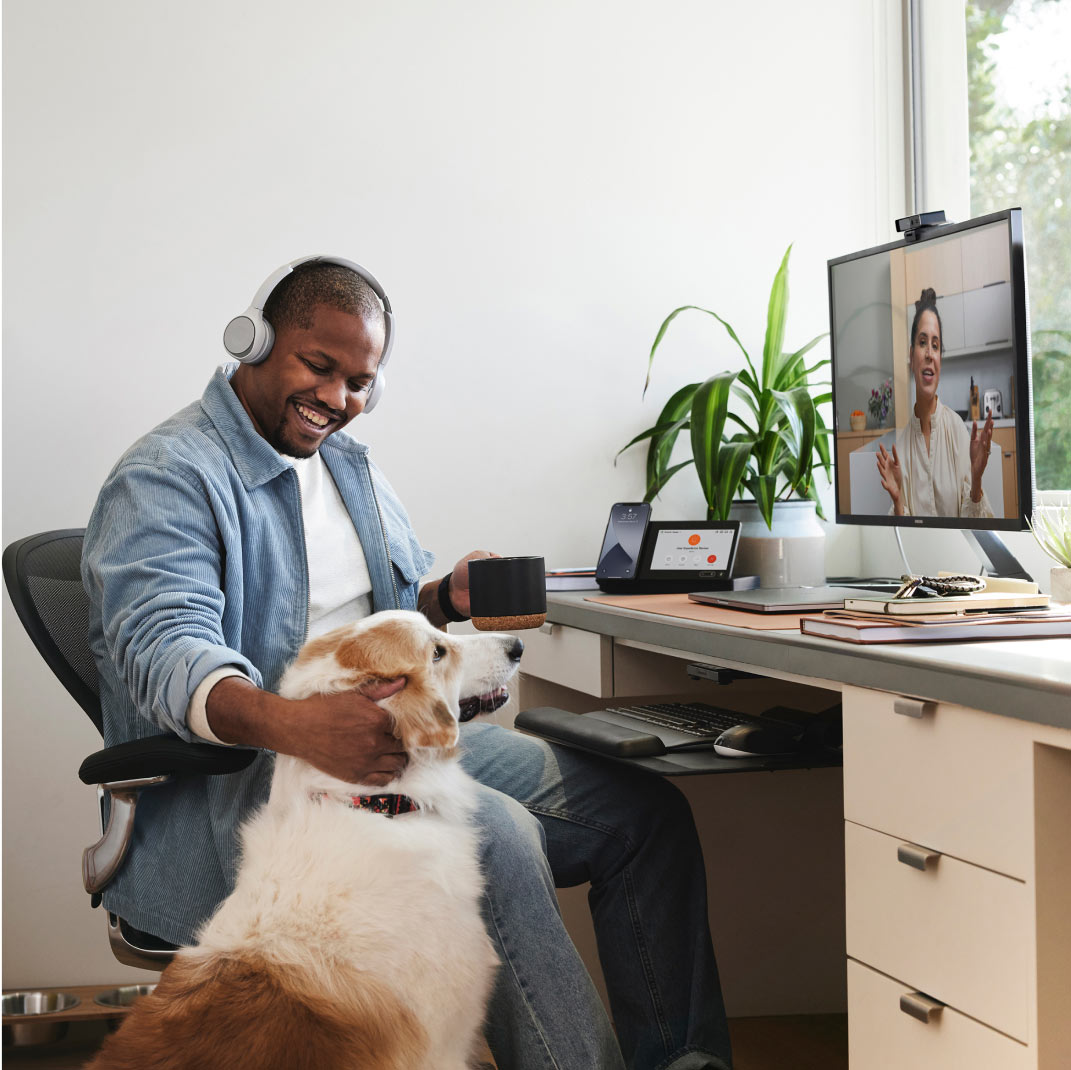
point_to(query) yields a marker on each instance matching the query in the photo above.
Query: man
(244, 524)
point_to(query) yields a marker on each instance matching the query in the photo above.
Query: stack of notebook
(1004, 610)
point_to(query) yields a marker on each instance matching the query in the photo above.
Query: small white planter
(1060, 578)
(790, 554)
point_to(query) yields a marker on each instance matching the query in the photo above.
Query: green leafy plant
(1051, 526)
(769, 447)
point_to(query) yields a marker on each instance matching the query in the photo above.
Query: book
(571, 579)
(869, 628)
(954, 603)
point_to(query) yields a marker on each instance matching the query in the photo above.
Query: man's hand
(346, 735)
(428, 599)
(892, 478)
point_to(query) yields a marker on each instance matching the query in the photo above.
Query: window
(1019, 93)
(1009, 143)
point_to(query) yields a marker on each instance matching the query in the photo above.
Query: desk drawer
(570, 657)
(957, 932)
(881, 1036)
(956, 780)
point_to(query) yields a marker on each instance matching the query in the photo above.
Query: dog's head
(447, 677)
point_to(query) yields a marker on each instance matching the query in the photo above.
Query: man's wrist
(446, 603)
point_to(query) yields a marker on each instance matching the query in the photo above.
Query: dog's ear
(423, 717)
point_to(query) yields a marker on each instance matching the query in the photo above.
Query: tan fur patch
(255, 1015)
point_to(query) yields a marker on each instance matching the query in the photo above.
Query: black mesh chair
(43, 578)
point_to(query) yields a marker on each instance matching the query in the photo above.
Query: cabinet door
(935, 264)
(1004, 448)
(956, 931)
(883, 1036)
(985, 257)
(987, 317)
(950, 309)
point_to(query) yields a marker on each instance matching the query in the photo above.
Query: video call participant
(247, 521)
(936, 467)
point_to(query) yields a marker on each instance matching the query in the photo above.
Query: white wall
(536, 185)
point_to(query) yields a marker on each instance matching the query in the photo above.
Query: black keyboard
(693, 718)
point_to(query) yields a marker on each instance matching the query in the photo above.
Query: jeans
(631, 835)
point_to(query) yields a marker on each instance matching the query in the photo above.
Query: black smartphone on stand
(619, 558)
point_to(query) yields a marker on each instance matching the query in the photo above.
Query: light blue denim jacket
(194, 558)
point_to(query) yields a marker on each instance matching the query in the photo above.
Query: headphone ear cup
(378, 386)
(249, 337)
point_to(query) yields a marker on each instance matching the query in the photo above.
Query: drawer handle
(916, 857)
(921, 1007)
(911, 707)
(547, 628)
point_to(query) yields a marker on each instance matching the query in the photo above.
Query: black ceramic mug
(507, 593)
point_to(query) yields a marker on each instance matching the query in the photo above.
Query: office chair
(43, 577)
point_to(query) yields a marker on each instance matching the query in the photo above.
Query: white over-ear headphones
(249, 337)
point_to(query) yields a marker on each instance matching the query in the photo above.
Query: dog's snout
(516, 650)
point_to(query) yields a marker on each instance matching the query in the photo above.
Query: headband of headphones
(249, 337)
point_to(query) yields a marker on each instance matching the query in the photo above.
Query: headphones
(249, 337)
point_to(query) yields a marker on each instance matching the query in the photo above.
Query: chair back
(43, 577)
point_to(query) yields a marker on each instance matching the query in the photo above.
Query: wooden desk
(957, 791)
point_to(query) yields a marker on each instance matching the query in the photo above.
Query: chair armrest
(123, 771)
(162, 756)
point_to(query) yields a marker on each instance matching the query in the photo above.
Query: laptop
(782, 599)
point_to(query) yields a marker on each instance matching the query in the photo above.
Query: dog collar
(387, 805)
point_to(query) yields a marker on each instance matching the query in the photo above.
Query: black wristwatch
(446, 605)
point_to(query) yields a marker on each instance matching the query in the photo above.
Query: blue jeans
(631, 835)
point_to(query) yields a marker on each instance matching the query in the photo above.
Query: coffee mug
(507, 593)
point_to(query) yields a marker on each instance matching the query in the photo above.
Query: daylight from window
(1019, 74)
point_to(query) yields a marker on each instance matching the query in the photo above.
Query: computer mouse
(754, 740)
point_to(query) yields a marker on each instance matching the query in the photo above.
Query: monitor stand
(994, 555)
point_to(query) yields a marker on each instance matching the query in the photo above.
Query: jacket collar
(253, 457)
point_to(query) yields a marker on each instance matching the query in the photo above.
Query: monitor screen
(930, 360)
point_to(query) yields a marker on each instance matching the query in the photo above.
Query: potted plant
(1051, 526)
(767, 445)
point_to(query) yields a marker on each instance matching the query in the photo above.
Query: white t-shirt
(340, 587)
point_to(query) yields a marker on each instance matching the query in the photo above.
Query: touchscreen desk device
(640, 556)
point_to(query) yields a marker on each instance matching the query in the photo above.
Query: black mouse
(754, 740)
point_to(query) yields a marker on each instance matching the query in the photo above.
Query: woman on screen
(936, 467)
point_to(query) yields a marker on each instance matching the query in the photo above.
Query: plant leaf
(732, 466)
(762, 490)
(665, 476)
(776, 314)
(710, 407)
(670, 318)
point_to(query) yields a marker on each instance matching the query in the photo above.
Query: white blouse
(937, 481)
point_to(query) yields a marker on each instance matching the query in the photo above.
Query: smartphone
(619, 557)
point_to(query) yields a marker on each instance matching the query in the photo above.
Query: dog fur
(351, 940)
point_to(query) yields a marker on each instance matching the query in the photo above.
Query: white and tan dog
(352, 939)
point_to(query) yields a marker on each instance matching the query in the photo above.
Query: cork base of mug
(509, 624)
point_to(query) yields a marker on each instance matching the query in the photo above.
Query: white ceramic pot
(1060, 578)
(790, 554)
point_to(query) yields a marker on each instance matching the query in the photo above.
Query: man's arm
(346, 735)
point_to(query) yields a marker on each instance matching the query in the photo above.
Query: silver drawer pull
(921, 1007)
(917, 857)
(913, 707)
(547, 628)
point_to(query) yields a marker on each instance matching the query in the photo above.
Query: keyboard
(693, 718)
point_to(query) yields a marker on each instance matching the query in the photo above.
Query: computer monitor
(930, 335)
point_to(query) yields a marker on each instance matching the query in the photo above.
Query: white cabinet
(987, 317)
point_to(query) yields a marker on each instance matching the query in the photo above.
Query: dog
(353, 938)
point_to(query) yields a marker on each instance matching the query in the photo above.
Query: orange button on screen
(694, 540)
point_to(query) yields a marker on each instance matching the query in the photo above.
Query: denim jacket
(194, 559)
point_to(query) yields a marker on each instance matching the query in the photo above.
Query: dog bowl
(26, 1021)
(122, 997)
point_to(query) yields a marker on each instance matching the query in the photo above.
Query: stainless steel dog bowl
(122, 997)
(25, 1017)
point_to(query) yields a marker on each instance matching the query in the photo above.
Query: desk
(956, 804)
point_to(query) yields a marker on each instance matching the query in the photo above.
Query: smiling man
(247, 523)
